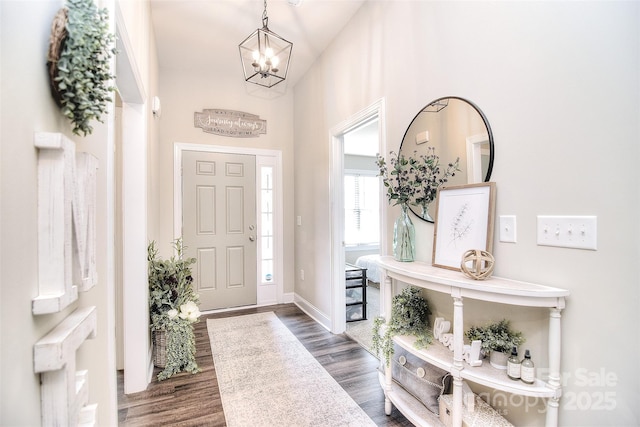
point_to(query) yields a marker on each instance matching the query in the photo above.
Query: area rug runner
(267, 377)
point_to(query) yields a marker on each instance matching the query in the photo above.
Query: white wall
(26, 107)
(558, 82)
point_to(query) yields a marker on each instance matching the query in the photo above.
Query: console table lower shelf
(420, 416)
(411, 408)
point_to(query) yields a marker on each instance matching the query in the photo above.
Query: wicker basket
(57, 40)
(159, 348)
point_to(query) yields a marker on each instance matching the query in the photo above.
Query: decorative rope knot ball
(477, 264)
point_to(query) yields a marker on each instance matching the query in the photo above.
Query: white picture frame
(464, 220)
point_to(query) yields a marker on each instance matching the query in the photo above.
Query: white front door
(219, 226)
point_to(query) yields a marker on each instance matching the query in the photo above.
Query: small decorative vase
(404, 236)
(498, 359)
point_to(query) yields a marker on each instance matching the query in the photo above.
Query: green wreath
(79, 57)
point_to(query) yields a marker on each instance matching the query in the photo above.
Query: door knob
(252, 238)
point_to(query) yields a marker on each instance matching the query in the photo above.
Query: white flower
(189, 311)
(172, 313)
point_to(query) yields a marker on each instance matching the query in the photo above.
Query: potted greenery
(409, 316)
(412, 180)
(497, 341)
(173, 307)
(398, 178)
(79, 62)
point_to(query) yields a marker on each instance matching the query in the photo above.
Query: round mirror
(449, 130)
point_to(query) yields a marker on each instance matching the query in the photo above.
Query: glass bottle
(513, 365)
(404, 236)
(527, 370)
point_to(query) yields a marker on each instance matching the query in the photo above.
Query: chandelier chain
(265, 18)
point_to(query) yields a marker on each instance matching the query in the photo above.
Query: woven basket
(159, 348)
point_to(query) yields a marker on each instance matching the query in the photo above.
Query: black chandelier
(265, 55)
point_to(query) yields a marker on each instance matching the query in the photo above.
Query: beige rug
(267, 377)
(362, 331)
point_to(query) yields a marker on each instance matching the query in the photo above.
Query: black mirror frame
(489, 134)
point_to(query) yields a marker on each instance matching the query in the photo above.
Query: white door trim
(136, 344)
(474, 157)
(336, 214)
(268, 294)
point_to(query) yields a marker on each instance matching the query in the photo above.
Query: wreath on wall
(78, 61)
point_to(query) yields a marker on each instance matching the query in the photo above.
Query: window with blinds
(361, 206)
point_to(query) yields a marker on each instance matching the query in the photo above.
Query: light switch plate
(575, 232)
(508, 228)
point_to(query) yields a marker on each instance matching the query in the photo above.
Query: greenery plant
(409, 316)
(173, 308)
(429, 175)
(398, 178)
(414, 180)
(83, 66)
(497, 336)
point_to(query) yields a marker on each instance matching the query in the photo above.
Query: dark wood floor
(194, 400)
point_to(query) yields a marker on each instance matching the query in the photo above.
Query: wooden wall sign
(66, 222)
(236, 124)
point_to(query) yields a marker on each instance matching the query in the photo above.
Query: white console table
(459, 286)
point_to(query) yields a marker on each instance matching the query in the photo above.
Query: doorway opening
(361, 228)
(357, 219)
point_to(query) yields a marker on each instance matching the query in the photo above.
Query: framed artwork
(464, 220)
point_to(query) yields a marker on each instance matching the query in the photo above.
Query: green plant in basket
(173, 307)
(409, 316)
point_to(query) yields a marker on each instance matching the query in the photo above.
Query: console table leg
(458, 333)
(554, 347)
(555, 381)
(552, 412)
(387, 295)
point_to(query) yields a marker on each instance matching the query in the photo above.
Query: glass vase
(425, 213)
(404, 236)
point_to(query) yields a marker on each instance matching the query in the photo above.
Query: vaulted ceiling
(205, 34)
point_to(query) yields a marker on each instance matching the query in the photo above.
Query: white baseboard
(312, 311)
(288, 298)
